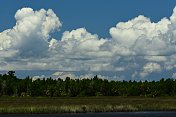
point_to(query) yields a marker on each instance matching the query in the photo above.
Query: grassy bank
(85, 104)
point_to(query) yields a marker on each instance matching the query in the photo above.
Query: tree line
(10, 85)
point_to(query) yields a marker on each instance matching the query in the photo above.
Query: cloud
(150, 68)
(174, 75)
(38, 77)
(63, 75)
(72, 75)
(136, 48)
(140, 36)
(156, 58)
(31, 33)
(79, 50)
(81, 41)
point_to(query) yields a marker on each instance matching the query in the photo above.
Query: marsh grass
(85, 104)
(67, 109)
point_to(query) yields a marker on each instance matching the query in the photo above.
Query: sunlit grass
(68, 109)
(85, 104)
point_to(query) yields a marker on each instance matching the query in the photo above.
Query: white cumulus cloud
(150, 68)
(136, 48)
(31, 33)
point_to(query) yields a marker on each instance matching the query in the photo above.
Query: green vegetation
(85, 104)
(10, 85)
(86, 95)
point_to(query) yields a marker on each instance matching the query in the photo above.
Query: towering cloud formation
(138, 47)
(141, 36)
(29, 37)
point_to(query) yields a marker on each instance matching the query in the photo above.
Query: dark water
(118, 114)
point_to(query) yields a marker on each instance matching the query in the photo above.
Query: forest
(10, 85)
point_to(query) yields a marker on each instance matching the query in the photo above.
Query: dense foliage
(10, 85)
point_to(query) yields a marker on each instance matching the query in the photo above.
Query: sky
(115, 39)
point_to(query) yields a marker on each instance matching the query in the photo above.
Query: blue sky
(96, 16)
(81, 37)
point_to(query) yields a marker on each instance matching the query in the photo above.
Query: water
(113, 114)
